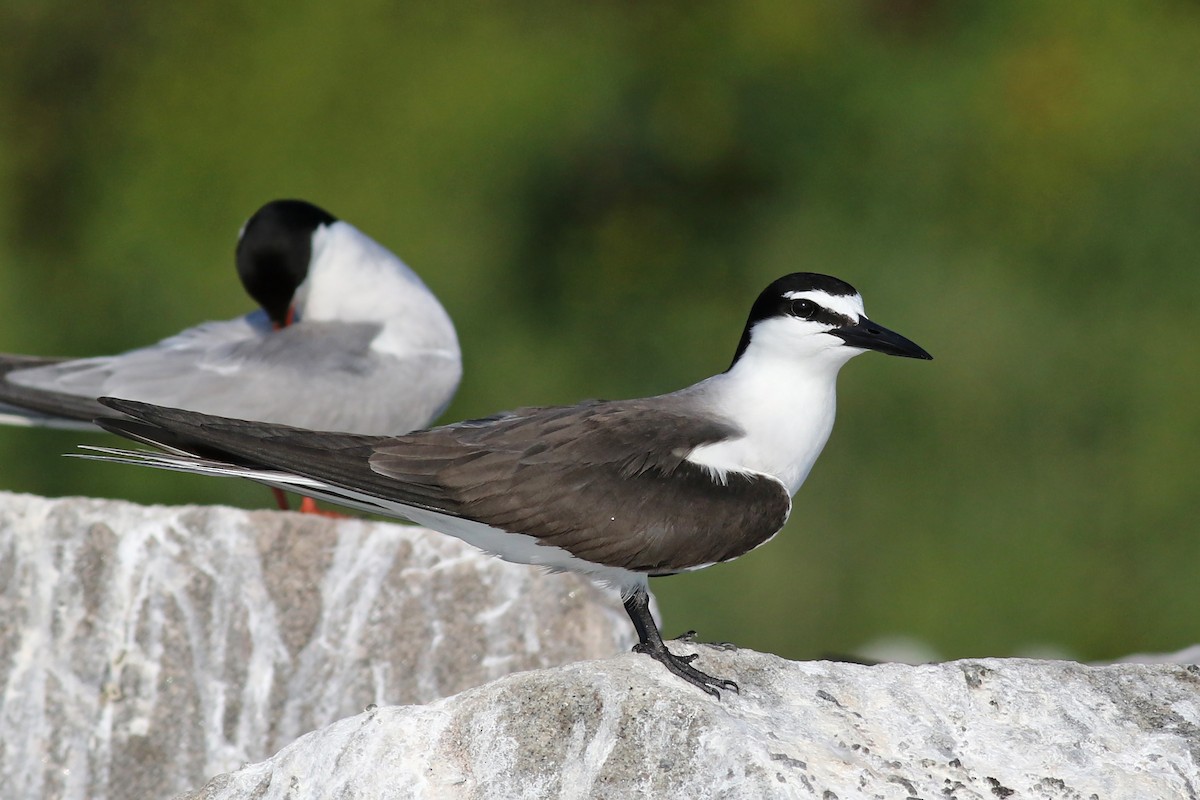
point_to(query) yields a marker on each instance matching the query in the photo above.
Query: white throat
(785, 405)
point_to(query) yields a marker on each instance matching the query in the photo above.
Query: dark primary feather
(52, 404)
(336, 456)
(607, 481)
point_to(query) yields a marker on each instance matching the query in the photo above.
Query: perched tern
(621, 491)
(346, 338)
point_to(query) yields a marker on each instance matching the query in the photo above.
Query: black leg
(637, 605)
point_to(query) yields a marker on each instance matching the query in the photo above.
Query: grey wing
(328, 376)
(64, 391)
(321, 375)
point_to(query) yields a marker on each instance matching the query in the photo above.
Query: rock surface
(624, 728)
(143, 650)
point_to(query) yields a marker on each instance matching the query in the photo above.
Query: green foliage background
(597, 191)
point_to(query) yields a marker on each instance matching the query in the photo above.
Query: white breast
(785, 409)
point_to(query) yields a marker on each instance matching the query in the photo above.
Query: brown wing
(607, 481)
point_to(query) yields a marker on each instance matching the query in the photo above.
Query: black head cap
(274, 250)
(775, 302)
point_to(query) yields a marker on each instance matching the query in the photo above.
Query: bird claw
(682, 667)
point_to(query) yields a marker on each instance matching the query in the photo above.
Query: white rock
(624, 728)
(144, 650)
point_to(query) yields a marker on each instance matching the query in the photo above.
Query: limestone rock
(624, 728)
(144, 650)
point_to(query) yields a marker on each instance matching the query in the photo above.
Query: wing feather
(607, 481)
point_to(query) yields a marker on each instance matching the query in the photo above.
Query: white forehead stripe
(849, 305)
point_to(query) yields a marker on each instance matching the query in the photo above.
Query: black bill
(871, 336)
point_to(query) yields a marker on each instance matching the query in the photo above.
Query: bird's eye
(805, 309)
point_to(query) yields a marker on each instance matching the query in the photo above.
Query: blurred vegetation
(598, 191)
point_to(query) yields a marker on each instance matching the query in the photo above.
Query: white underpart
(782, 393)
(520, 548)
(517, 548)
(352, 278)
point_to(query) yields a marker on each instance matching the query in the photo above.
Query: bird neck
(785, 410)
(355, 279)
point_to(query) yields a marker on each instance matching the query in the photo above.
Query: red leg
(309, 506)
